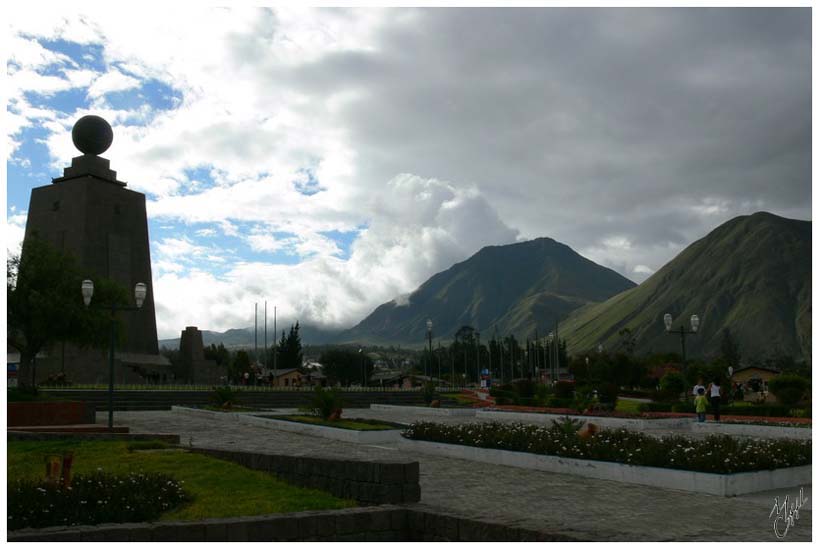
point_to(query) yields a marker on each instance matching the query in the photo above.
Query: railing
(210, 387)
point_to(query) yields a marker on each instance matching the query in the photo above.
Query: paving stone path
(588, 509)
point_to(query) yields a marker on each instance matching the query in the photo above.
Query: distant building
(285, 377)
(755, 383)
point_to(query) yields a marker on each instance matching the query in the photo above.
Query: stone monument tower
(90, 214)
(194, 368)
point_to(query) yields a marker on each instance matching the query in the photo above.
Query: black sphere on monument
(92, 135)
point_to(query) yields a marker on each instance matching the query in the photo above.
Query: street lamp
(478, 358)
(140, 291)
(694, 322)
(430, 345)
(361, 365)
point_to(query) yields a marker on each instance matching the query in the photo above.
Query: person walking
(714, 398)
(700, 404)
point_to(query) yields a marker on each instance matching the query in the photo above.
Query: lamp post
(140, 291)
(550, 338)
(695, 323)
(478, 358)
(361, 366)
(430, 346)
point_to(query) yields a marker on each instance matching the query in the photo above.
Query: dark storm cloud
(654, 125)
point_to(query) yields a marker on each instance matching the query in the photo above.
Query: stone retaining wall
(50, 436)
(377, 523)
(429, 411)
(369, 482)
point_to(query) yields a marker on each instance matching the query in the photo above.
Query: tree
(729, 348)
(345, 366)
(45, 305)
(290, 349)
(789, 388)
(673, 384)
(240, 365)
(219, 354)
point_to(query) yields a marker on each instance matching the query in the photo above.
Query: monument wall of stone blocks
(91, 215)
(195, 369)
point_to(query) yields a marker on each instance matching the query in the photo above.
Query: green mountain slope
(752, 275)
(514, 289)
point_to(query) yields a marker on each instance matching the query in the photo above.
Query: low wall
(84, 436)
(378, 523)
(340, 434)
(425, 411)
(315, 430)
(49, 413)
(371, 482)
(667, 478)
(751, 430)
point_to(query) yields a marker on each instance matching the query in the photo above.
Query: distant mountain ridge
(242, 338)
(751, 275)
(511, 289)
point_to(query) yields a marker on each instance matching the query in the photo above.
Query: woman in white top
(714, 398)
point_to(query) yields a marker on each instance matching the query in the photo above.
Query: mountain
(242, 338)
(513, 288)
(751, 275)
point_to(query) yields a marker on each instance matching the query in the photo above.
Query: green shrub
(800, 413)
(672, 385)
(224, 397)
(789, 388)
(683, 407)
(584, 398)
(506, 395)
(608, 393)
(501, 400)
(560, 403)
(92, 499)
(542, 394)
(567, 425)
(524, 388)
(564, 389)
(526, 401)
(325, 402)
(762, 410)
(428, 392)
(656, 407)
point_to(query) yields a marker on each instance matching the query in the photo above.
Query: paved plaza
(587, 509)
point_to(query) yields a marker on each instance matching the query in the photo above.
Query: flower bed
(719, 454)
(92, 499)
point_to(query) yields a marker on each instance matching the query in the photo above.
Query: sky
(330, 160)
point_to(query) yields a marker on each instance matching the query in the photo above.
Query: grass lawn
(234, 409)
(219, 488)
(459, 398)
(362, 424)
(627, 406)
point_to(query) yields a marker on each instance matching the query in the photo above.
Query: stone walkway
(588, 509)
